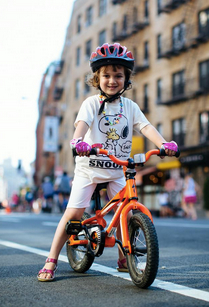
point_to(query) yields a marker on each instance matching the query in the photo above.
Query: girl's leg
(185, 209)
(61, 237)
(193, 213)
(82, 190)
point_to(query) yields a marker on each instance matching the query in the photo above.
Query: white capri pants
(83, 188)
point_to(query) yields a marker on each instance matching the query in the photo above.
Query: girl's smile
(112, 79)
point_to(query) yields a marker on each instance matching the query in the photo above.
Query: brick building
(48, 111)
(170, 42)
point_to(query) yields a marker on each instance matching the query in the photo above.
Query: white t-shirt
(117, 138)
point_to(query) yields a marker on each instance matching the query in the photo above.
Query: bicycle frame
(126, 200)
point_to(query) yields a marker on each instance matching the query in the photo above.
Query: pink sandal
(121, 267)
(51, 272)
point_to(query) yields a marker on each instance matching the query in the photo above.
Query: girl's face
(112, 80)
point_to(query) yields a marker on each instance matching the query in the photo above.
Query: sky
(32, 36)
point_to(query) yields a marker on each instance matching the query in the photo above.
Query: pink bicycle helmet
(114, 54)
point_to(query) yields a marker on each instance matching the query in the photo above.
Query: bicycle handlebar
(148, 154)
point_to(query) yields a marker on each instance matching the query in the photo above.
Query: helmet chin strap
(112, 98)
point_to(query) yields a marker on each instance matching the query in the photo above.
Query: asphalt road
(182, 279)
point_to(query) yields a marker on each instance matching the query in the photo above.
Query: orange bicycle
(89, 237)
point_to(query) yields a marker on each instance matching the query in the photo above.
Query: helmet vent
(120, 50)
(103, 50)
(112, 49)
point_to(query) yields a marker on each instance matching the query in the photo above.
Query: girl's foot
(122, 265)
(48, 271)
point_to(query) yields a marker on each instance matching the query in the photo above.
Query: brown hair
(93, 80)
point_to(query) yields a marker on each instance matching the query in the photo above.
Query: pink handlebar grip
(170, 145)
(82, 147)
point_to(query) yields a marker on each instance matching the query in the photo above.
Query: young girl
(190, 189)
(108, 119)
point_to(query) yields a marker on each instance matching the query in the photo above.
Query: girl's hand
(170, 148)
(83, 149)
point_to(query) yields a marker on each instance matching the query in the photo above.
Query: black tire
(78, 256)
(143, 262)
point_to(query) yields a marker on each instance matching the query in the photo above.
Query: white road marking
(9, 219)
(179, 225)
(157, 222)
(50, 224)
(168, 286)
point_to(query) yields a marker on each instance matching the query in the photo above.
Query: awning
(144, 172)
(168, 165)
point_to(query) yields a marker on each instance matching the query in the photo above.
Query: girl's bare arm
(80, 130)
(153, 135)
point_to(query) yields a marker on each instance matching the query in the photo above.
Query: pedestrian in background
(163, 200)
(190, 189)
(64, 189)
(48, 192)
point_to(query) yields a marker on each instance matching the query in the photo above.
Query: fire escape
(189, 88)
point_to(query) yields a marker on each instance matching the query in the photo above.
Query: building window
(204, 23)
(204, 126)
(159, 6)
(86, 86)
(146, 10)
(125, 23)
(159, 90)
(88, 49)
(178, 36)
(102, 7)
(79, 24)
(102, 37)
(159, 45)
(204, 75)
(146, 98)
(135, 15)
(89, 16)
(134, 95)
(114, 30)
(178, 131)
(178, 84)
(135, 54)
(146, 53)
(77, 88)
(78, 56)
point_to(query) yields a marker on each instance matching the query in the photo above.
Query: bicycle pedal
(73, 227)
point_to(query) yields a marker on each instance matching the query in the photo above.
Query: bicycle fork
(133, 204)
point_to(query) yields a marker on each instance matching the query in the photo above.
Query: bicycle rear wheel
(79, 258)
(143, 262)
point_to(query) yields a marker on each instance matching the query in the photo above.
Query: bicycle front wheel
(144, 259)
(78, 256)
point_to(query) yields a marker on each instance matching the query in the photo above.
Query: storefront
(152, 180)
(198, 165)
